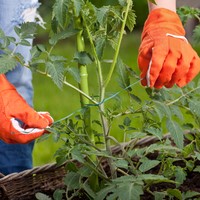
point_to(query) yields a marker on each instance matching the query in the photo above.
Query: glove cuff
(166, 19)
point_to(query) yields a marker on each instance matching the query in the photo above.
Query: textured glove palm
(165, 56)
(13, 108)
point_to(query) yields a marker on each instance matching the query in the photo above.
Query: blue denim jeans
(17, 157)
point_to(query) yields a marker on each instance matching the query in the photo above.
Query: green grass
(61, 103)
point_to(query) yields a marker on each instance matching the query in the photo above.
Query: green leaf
(60, 11)
(180, 175)
(190, 194)
(124, 80)
(83, 58)
(41, 196)
(72, 180)
(162, 110)
(188, 149)
(99, 45)
(101, 195)
(85, 171)
(159, 195)
(27, 30)
(77, 7)
(75, 73)
(121, 164)
(153, 177)
(148, 164)
(89, 191)
(77, 155)
(136, 98)
(131, 20)
(194, 107)
(25, 43)
(62, 35)
(127, 121)
(154, 131)
(176, 132)
(56, 70)
(58, 194)
(122, 2)
(129, 191)
(8, 63)
(175, 193)
(101, 14)
(177, 112)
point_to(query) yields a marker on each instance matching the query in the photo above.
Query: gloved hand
(165, 56)
(14, 108)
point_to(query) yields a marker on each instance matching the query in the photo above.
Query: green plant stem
(129, 3)
(84, 86)
(105, 123)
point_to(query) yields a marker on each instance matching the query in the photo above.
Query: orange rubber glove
(165, 56)
(13, 108)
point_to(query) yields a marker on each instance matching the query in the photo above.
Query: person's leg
(17, 157)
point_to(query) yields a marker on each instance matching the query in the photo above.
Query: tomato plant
(135, 171)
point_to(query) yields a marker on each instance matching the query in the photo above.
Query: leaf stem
(129, 2)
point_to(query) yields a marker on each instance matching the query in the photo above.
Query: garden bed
(46, 179)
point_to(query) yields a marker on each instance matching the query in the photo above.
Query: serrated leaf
(62, 35)
(177, 112)
(72, 180)
(176, 132)
(121, 164)
(60, 11)
(131, 20)
(154, 131)
(175, 193)
(194, 107)
(83, 58)
(162, 110)
(124, 80)
(8, 63)
(77, 155)
(74, 73)
(101, 14)
(56, 69)
(188, 149)
(100, 44)
(180, 175)
(148, 164)
(101, 195)
(27, 30)
(77, 6)
(85, 171)
(190, 194)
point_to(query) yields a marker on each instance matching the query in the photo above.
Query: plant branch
(129, 2)
(71, 86)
